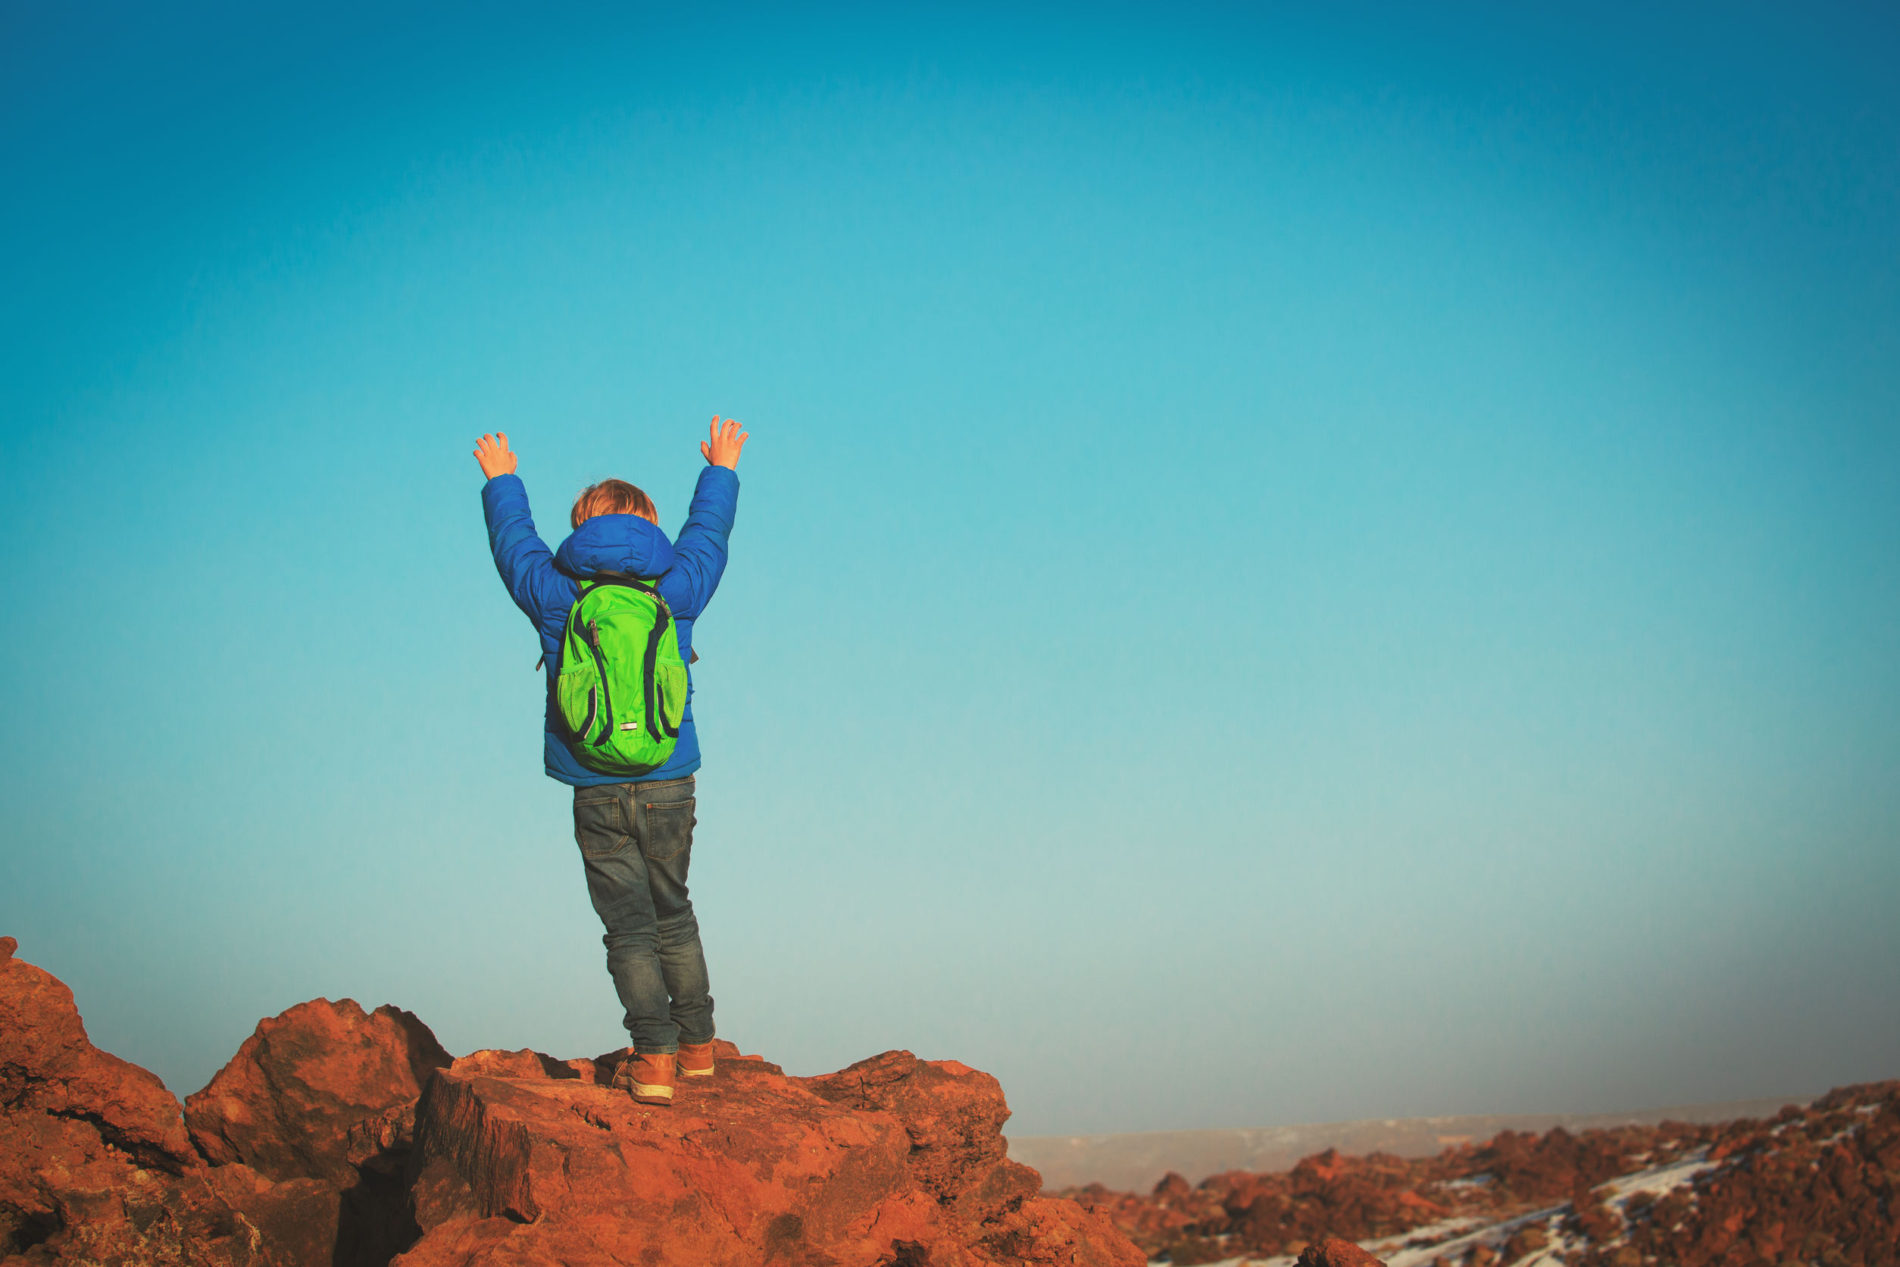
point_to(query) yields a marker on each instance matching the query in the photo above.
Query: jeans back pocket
(666, 829)
(600, 822)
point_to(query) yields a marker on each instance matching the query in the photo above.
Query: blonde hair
(612, 497)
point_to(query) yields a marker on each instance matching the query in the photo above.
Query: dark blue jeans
(636, 840)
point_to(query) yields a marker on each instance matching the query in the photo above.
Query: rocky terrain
(339, 1137)
(1817, 1184)
(1135, 1162)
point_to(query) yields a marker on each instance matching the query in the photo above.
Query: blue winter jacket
(543, 585)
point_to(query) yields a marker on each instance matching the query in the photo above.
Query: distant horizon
(1294, 563)
(1647, 1112)
(1136, 1161)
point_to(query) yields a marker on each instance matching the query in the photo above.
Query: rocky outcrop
(1814, 1185)
(307, 1128)
(48, 1067)
(348, 1138)
(286, 1105)
(94, 1163)
(953, 1119)
(1272, 1213)
(894, 1161)
(340, 1137)
(1820, 1185)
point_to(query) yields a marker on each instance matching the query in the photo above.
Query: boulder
(49, 1066)
(287, 1103)
(94, 1163)
(1172, 1188)
(953, 1117)
(1334, 1252)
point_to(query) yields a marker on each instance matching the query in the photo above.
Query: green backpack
(622, 688)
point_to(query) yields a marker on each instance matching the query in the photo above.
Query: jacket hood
(615, 543)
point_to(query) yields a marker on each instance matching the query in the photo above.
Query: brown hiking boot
(647, 1078)
(696, 1060)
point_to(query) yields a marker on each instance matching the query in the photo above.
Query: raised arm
(523, 559)
(700, 548)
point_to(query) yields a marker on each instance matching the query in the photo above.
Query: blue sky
(1295, 562)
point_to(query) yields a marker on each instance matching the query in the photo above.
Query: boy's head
(613, 497)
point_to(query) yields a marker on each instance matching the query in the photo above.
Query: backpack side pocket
(669, 684)
(577, 691)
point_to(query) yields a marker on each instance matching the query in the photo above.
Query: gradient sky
(1295, 562)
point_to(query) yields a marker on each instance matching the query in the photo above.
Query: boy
(636, 837)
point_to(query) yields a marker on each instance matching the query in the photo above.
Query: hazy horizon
(1294, 563)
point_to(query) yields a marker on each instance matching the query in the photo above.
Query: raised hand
(492, 452)
(723, 448)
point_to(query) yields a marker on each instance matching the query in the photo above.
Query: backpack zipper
(592, 639)
(651, 684)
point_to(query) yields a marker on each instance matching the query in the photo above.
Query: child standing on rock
(615, 607)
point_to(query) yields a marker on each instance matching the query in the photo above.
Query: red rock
(1172, 1187)
(313, 1149)
(1153, 1224)
(325, 1156)
(297, 1221)
(1321, 1168)
(320, 1151)
(1820, 1184)
(94, 1166)
(748, 1167)
(1334, 1252)
(953, 1116)
(1524, 1242)
(523, 1064)
(48, 1066)
(1814, 1185)
(286, 1103)
(1046, 1230)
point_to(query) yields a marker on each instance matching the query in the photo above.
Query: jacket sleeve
(700, 549)
(523, 559)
